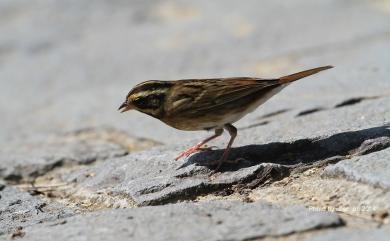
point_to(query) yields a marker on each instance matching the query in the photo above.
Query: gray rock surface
(31, 160)
(372, 169)
(186, 221)
(20, 209)
(153, 177)
(380, 234)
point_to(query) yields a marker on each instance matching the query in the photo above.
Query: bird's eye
(140, 102)
(154, 102)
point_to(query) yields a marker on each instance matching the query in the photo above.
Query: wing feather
(192, 96)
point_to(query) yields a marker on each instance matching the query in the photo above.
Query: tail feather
(303, 74)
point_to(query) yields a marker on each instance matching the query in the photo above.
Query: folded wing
(192, 96)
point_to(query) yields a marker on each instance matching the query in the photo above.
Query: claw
(188, 152)
(198, 147)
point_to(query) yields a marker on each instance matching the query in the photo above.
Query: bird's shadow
(302, 151)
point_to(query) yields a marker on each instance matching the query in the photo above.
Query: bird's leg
(198, 146)
(233, 133)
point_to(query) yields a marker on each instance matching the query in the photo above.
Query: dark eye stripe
(151, 101)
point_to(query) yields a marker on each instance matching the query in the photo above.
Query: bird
(207, 103)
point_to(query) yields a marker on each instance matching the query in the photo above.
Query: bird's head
(147, 97)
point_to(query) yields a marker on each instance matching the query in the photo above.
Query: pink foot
(188, 152)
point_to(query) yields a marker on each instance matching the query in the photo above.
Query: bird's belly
(235, 116)
(206, 122)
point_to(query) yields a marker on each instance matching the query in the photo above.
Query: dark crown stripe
(150, 85)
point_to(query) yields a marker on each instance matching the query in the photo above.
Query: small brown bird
(206, 104)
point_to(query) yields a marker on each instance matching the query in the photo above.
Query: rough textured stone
(152, 177)
(354, 199)
(380, 234)
(203, 221)
(28, 161)
(373, 169)
(20, 209)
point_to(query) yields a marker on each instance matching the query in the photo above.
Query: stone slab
(32, 159)
(373, 169)
(19, 210)
(218, 220)
(152, 177)
(380, 234)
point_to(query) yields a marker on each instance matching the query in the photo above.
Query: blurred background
(66, 65)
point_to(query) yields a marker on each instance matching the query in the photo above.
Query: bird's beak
(124, 107)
